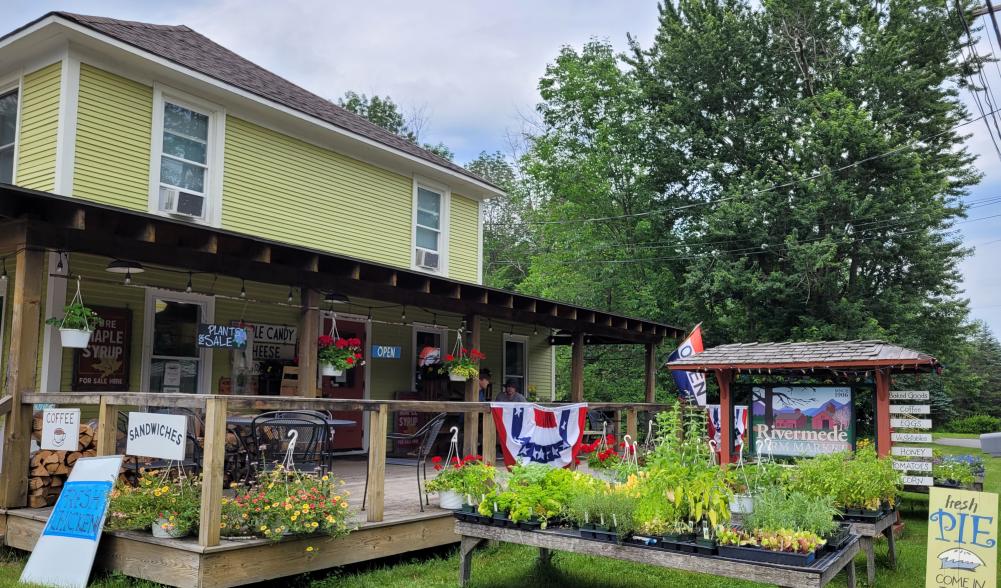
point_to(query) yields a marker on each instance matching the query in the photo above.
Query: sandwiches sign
(156, 435)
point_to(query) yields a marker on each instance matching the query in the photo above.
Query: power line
(974, 59)
(662, 244)
(829, 171)
(743, 251)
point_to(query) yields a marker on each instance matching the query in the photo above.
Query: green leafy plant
(957, 472)
(173, 503)
(976, 424)
(856, 481)
(468, 477)
(76, 316)
(775, 510)
(465, 364)
(343, 354)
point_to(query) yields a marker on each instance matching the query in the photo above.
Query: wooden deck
(185, 563)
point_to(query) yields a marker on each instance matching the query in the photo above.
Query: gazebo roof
(807, 355)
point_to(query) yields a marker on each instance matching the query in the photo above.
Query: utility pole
(994, 21)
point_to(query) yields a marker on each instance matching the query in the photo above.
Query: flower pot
(456, 377)
(705, 546)
(450, 500)
(328, 369)
(74, 338)
(742, 504)
(161, 533)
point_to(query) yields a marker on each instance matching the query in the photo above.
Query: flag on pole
(532, 434)
(692, 384)
(739, 425)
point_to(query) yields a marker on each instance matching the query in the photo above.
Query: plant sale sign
(962, 539)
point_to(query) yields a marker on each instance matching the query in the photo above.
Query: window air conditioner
(176, 202)
(427, 259)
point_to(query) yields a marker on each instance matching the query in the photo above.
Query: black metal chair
(271, 432)
(425, 437)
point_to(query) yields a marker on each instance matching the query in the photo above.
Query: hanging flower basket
(337, 354)
(462, 364)
(450, 500)
(329, 370)
(77, 322)
(456, 377)
(75, 338)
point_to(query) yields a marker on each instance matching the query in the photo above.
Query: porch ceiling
(40, 219)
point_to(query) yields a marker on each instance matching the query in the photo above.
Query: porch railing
(216, 407)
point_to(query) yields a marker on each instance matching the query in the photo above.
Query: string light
(3, 276)
(243, 289)
(535, 330)
(59, 264)
(290, 294)
(490, 325)
(188, 287)
(128, 277)
(403, 315)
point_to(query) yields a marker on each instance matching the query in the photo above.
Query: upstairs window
(8, 135)
(430, 208)
(186, 169)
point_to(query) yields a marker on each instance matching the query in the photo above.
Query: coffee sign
(156, 435)
(104, 364)
(61, 429)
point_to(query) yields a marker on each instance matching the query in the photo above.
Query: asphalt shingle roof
(195, 51)
(798, 354)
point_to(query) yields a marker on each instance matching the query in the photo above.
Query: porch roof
(68, 224)
(807, 355)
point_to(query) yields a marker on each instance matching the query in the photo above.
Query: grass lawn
(939, 435)
(510, 565)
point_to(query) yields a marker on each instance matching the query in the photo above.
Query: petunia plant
(465, 364)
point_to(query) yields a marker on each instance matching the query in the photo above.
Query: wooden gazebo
(821, 359)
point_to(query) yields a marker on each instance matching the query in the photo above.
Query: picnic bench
(816, 575)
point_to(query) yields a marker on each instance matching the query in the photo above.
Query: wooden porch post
(212, 469)
(24, 330)
(577, 369)
(489, 439)
(725, 415)
(471, 420)
(309, 327)
(631, 428)
(883, 440)
(651, 372)
(378, 424)
(107, 427)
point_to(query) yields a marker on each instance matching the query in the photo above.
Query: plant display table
(818, 574)
(867, 532)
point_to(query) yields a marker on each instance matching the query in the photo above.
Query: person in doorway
(486, 386)
(510, 392)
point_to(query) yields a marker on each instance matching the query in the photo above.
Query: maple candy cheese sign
(962, 539)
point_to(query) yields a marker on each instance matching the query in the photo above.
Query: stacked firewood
(49, 468)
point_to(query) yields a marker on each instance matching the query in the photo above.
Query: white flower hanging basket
(449, 499)
(74, 338)
(328, 369)
(456, 377)
(742, 504)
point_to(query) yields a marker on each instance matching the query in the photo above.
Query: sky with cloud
(472, 67)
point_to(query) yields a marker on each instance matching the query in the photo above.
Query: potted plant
(462, 366)
(467, 476)
(953, 474)
(282, 502)
(784, 528)
(76, 324)
(168, 507)
(338, 354)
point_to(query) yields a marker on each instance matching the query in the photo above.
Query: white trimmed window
(8, 134)
(516, 361)
(430, 235)
(187, 164)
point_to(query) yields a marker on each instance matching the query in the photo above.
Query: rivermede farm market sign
(222, 336)
(962, 539)
(802, 420)
(156, 435)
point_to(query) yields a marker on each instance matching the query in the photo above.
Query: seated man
(510, 392)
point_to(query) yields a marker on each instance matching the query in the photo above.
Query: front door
(173, 360)
(350, 385)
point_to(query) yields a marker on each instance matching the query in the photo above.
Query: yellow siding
(463, 239)
(36, 156)
(539, 357)
(114, 125)
(281, 188)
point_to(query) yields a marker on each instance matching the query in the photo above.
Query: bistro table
(815, 575)
(245, 420)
